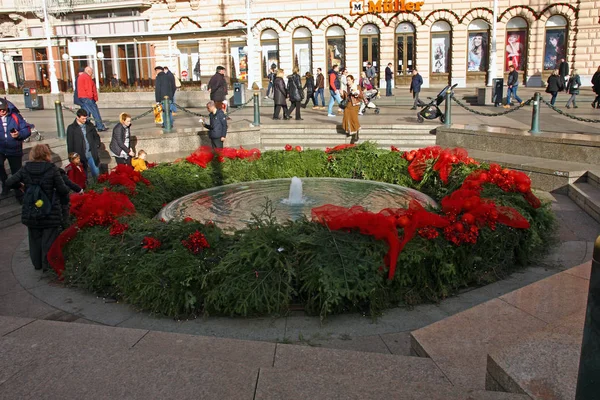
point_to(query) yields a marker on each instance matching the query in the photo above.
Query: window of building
(441, 39)
(239, 61)
(336, 46)
(516, 44)
(269, 42)
(301, 40)
(478, 46)
(555, 47)
(405, 53)
(369, 47)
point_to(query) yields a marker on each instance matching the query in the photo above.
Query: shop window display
(336, 46)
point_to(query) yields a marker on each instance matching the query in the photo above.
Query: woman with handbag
(352, 98)
(120, 143)
(573, 88)
(280, 95)
(554, 85)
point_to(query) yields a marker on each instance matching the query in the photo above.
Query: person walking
(389, 76)
(309, 85)
(41, 211)
(271, 77)
(13, 130)
(596, 87)
(294, 89)
(334, 89)
(120, 143)
(163, 87)
(217, 87)
(173, 86)
(573, 88)
(563, 71)
(83, 139)
(217, 125)
(350, 123)
(280, 95)
(371, 72)
(512, 85)
(320, 88)
(88, 97)
(415, 89)
(554, 85)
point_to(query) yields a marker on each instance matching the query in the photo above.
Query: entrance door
(369, 39)
(405, 58)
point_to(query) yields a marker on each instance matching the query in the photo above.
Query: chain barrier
(576, 118)
(72, 110)
(231, 112)
(512, 109)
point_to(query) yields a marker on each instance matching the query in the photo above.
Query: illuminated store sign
(358, 7)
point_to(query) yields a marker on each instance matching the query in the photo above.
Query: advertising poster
(440, 45)
(555, 48)
(478, 52)
(336, 52)
(515, 50)
(243, 64)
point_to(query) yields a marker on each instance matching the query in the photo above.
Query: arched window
(369, 46)
(556, 41)
(269, 42)
(301, 40)
(515, 52)
(441, 37)
(478, 46)
(336, 46)
(405, 53)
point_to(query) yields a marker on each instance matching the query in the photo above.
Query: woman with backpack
(295, 93)
(573, 88)
(41, 211)
(309, 85)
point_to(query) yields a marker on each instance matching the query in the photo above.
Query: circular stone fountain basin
(232, 206)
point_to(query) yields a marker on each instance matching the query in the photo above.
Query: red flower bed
(445, 159)
(205, 154)
(151, 243)
(196, 242)
(124, 175)
(339, 147)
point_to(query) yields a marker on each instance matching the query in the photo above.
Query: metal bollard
(256, 109)
(166, 105)
(588, 379)
(448, 109)
(60, 121)
(535, 114)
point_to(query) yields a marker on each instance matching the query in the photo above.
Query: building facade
(448, 42)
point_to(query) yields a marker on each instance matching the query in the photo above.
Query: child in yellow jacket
(139, 163)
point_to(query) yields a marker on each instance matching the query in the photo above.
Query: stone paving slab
(364, 366)
(9, 324)
(583, 271)
(276, 384)
(367, 344)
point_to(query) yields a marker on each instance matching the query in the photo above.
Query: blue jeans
(91, 107)
(320, 92)
(553, 99)
(388, 87)
(335, 97)
(173, 107)
(92, 167)
(269, 88)
(512, 91)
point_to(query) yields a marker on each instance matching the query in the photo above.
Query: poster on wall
(439, 56)
(555, 48)
(302, 57)
(243, 64)
(478, 52)
(336, 52)
(515, 50)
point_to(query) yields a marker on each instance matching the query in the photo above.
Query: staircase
(10, 210)
(585, 192)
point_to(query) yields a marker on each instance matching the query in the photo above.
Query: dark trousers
(597, 101)
(126, 161)
(553, 98)
(295, 106)
(278, 109)
(388, 87)
(216, 143)
(40, 241)
(14, 162)
(417, 101)
(309, 97)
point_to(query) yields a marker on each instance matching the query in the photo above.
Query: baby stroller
(432, 110)
(368, 96)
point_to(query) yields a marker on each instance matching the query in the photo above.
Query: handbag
(344, 103)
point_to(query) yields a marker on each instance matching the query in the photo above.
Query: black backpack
(36, 204)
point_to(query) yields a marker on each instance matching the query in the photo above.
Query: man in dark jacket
(415, 89)
(172, 86)
(320, 88)
(295, 93)
(563, 71)
(217, 126)
(217, 87)
(83, 139)
(163, 87)
(389, 76)
(512, 85)
(13, 130)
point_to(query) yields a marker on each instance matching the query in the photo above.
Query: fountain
(232, 206)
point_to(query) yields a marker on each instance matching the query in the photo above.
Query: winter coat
(334, 80)
(574, 84)
(86, 88)
(76, 99)
(295, 88)
(217, 128)
(320, 81)
(77, 175)
(138, 164)
(416, 83)
(555, 84)
(117, 142)
(64, 200)
(76, 142)
(596, 82)
(513, 78)
(218, 87)
(371, 72)
(163, 86)
(10, 146)
(388, 74)
(279, 92)
(172, 84)
(309, 85)
(47, 175)
(563, 69)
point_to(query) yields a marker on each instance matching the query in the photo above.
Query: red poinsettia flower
(188, 219)
(288, 147)
(196, 242)
(339, 147)
(117, 228)
(151, 243)
(298, 148)
(394, 149)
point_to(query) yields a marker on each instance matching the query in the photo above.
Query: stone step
(332, 133)
(323, 146)
(587, 196)
(9, 211)
(593, 179)
(278, 384)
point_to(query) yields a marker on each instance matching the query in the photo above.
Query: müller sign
(358, 7)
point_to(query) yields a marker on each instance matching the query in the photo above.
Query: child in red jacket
(75, 170)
